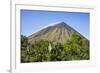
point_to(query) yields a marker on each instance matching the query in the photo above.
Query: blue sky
(34, 20)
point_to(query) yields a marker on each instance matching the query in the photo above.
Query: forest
(75, 48)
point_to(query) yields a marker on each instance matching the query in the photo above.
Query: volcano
(57, 33)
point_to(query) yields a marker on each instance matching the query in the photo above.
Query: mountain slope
(58, 33)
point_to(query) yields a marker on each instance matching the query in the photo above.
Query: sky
(34, 20)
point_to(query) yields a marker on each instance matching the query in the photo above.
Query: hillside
(58, 33)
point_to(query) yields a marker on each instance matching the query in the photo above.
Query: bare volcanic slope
(58, 33)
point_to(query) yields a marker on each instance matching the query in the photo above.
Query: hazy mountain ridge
(58, 33)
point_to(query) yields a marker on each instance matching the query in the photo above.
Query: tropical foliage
(76, 48)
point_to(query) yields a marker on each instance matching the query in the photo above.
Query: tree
(56, 52)
(39, 51)
(24, 53)
(77, 48)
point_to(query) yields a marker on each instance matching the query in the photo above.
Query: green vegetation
(76, 48)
